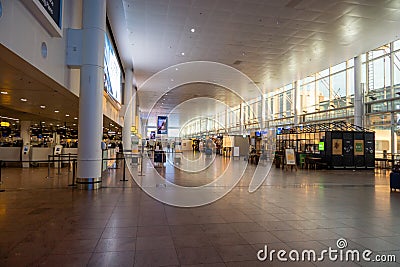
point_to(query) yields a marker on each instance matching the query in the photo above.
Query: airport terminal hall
(215, 133)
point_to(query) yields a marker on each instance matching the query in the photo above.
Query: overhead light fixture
(192, 29)
(66, 115)
(42, 106)
(4, 93)
(56, 111)
(183, 53)
(24, 99)
(75, 118)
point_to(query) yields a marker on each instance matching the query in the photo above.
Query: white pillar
(91, 95)
(263, 112)
(25, 132)
(296, 104)
(358, 103)
(126, 131)
(241, 115)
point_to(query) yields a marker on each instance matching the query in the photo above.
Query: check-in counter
(41, 153)
(72, 151)
(10, 154)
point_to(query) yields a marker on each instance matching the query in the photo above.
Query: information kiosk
(26, 155)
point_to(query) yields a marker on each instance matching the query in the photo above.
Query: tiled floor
(44, 222)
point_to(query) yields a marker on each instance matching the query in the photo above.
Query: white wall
(21, 32)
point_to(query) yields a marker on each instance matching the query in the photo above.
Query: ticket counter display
(26, 155)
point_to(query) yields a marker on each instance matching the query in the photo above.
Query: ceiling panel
(277, 41)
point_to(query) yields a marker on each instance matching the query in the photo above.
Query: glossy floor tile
(46, 222)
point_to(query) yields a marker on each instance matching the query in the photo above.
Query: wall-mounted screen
(54, 9)
(162, 125)
(112, 71)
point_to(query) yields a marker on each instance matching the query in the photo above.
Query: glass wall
(328, 95)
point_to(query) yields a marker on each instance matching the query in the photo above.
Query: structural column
(296, 103)
(25, 134)
(358, 101)
(263, 111)
(128, 101)
(91, 94)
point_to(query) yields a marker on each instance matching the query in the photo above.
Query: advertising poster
(290, 158)
(153, 135)
(162, 125)
(337, 146)
(112, 71)
(359, 147)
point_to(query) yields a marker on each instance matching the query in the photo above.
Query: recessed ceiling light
(4, 93)
(43, 122)
(183, 53)
(66, 115)
(56, 111)
(24, 99)
(192, 29)
(51, 124)
(74, 124)
(42, 106)
(58, 125)
(176, 69)
(75, 118)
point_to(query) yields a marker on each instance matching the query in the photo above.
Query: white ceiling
(274, 42)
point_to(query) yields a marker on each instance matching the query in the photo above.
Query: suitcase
(394, 181)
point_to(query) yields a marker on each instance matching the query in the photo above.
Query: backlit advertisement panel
(112, 71)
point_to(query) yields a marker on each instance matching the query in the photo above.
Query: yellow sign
(5, 124)
(133, 129)
(290, 157)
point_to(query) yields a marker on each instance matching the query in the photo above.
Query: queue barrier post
(1, 181)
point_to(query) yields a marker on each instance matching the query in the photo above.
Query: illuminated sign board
(53, 8)
(321, 146)
(112, 71)
(48, 13)
(162, 125)
(5, 124)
